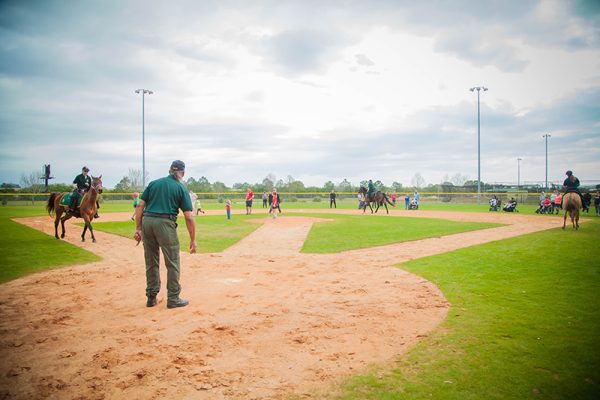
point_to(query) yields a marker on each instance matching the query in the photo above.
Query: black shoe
(177, 303)
(151, 301)
(96, 215)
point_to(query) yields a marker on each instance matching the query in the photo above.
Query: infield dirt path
(264, 321)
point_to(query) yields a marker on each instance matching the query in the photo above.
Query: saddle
(66, 200)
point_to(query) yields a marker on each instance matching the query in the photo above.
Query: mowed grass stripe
(24, 250)
(214, 233)
(349, 232)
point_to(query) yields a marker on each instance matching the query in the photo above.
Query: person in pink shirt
(228, 208)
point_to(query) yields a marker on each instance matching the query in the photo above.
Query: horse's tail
(50, 203)
(388, 200)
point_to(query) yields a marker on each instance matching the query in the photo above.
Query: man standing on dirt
(249, 198)
(155, 220)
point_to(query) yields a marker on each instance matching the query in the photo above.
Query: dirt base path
(264, 321)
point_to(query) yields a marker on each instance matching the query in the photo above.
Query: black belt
(158, 215)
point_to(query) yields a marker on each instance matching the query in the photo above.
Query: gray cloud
(301, 51)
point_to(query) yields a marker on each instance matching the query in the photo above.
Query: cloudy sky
(317, 90)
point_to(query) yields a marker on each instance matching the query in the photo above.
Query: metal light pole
(546, 136)
(519, 173)
(143, 92)
(478, 88)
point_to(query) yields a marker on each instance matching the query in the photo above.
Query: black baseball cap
(178, 165)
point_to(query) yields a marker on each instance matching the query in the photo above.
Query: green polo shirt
(166, 196)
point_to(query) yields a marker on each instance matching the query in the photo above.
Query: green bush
(316, 199)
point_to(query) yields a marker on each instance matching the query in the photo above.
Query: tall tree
(417, 181)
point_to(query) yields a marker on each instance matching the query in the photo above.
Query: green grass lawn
(214, 233)
(24, 250)
(349, 232)
(524, 324)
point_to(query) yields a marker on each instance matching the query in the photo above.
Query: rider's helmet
(569, 173)
(85, 169)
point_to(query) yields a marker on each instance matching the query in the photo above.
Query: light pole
(519, 173)
(546, 136)
(479, 89)
(143, 92)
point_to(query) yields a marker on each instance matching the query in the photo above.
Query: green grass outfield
(24, 250)
(524, 321)
(524, 324)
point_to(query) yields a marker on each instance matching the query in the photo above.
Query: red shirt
(275, 201)
(546, 202)
(249, 195)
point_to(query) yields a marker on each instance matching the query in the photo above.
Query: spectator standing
(265, 199)
(274, 199)
(361, 201)
(193, 197)
(228, 208)
(587, 201)
(394, 199)
(249, 198)
(406, 201)
(417, 197)
(136, 200)
(558, 202)
(332, 199)
(597, 203)
(155, 220)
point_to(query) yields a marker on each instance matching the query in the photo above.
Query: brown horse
(86, 210)
(571, 203)
(378, 198)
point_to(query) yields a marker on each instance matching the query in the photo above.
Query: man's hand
(193, 247)
(138, 236)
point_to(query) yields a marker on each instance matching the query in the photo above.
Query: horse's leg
(92, 231)
(386, 209)
(565, 220)
(85, 228)
(56, 219)
(577, 220)
(62, 225)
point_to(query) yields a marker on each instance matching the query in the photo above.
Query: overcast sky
(319, 90)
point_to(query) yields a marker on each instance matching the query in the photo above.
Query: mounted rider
(371, 191)
(81, 184)
(571, 185)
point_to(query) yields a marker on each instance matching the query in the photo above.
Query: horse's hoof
(82, 239)
(57, 238)
(62, 236)
(93, 240)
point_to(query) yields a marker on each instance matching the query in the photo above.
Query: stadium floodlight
(479, 89)
(143, 92)
(546, 136)
(519, 173)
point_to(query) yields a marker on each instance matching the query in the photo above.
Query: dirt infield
(264, 321)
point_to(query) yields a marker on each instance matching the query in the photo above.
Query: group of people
(552, 204)
(509, 206)
(157, 208)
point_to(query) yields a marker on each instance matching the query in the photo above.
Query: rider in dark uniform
(82, 183)
(371, 190)
(571, 185)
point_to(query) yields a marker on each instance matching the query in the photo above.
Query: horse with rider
(81, 203)
(372, 195)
